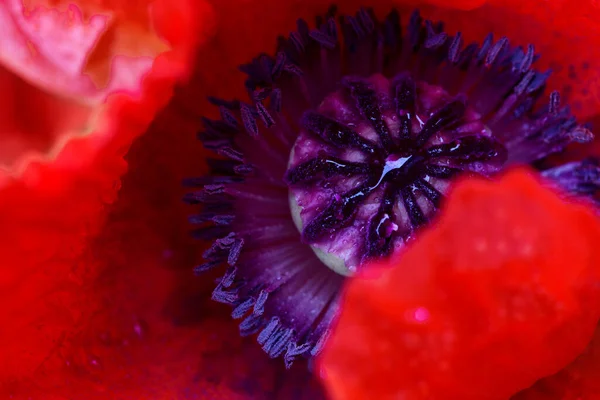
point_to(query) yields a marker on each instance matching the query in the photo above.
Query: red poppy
(96, 274)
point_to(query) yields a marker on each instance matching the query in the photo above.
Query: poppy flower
(107, 306)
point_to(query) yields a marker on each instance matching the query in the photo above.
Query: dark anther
(336, 133)
(447, 115)
(331, 166)
(366, 101)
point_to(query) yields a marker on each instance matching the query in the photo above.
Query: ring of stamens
(273, 281)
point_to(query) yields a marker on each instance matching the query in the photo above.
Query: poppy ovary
(372, 164)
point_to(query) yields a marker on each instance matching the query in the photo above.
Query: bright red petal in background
(63, 69)
(65, 166)
(501, 291)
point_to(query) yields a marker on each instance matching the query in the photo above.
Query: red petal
(500, 292)
(579, 380)
(50, 210)
(67, 64)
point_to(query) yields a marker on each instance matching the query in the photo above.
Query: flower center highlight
(372, 163)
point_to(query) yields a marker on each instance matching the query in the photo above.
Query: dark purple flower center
(372, 163)
(347, 143)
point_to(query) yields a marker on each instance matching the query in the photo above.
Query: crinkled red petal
(49, 212)
(54, 62)
(501, 291)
